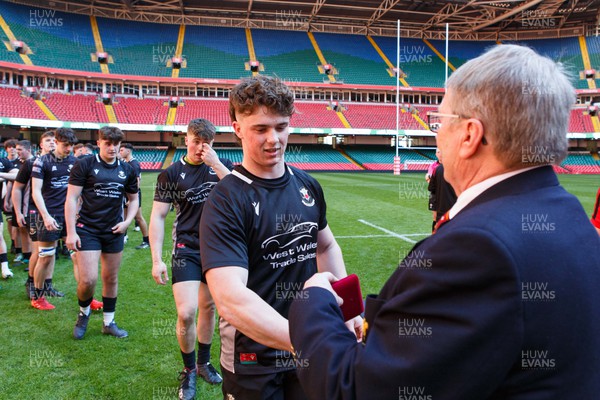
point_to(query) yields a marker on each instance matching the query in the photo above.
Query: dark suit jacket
(503, 302)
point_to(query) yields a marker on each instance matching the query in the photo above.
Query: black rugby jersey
(187, 186)
(55, 174)
(270, 227)
(137, 168)
(104, 187)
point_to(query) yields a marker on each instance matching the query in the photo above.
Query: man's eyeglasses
(434, 122)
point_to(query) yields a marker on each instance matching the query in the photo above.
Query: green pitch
(375, 217)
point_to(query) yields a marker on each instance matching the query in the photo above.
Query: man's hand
(119, 228)
(159, 272)
(209, 155)
(51, 224)
(21, 220)
(324, 280)
(73, 241)
(355, 325)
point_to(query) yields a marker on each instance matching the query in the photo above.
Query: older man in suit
(502, 302)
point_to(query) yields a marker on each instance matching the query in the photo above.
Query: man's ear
(471, 138)
(237, 129)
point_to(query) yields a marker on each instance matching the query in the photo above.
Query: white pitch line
(394, 234)
(363, 236)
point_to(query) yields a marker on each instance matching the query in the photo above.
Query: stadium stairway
(178, 50)
(586, 60)
(45, 110)
(251, 52)
(99, 47)
(352, 160)
(9, 34)
(320, 54)
(169, 158)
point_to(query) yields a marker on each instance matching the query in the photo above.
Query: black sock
(29, 279)
(39, 293)
(189, 360)
(110, 303)
(26, 256)
(85, 303)
(203, 353)
(12, 243)
(433, 225)
(3, 257)
(146, 240)
(19, 250)
(48, 284)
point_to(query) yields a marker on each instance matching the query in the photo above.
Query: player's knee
(47, 251)
(186, 315)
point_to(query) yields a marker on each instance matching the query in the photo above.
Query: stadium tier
(565, 50)
(422, 66)
(381, 158)
(216, 111)
(56, 39)
(213, 52)
(138, 48)
(235, 155)
(371, 116)
(355, 59)
(141, 111)
(287, 54)
(581, 163)
(315, 115)
(580, 122)
(14, 104)
(151, 159)
(67, 107)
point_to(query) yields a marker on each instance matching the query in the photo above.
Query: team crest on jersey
(54, 168)
(96, 171)
(211, 171)
(70, 166)
(182, 175)
(121, 175)
(307, 199)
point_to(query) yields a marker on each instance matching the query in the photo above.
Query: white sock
(5, 266)
(108, 318)
(85, 310)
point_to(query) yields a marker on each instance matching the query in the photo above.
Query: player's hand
(209, 155)
(355, 325)
(159, 273)
(120, 228)
(51, 224)
(73, 242)
(324, 280)
(21, 220)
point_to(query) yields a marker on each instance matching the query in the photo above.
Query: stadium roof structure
(467, 19)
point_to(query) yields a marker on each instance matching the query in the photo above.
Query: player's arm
(17, 199)
(36, 192)
(10, 175)
(210, 158)
(71, 209)
(157, 235)
(245, 310)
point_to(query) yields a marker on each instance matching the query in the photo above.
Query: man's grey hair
(523, 101)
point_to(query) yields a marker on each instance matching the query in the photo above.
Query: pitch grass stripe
(394, 234)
